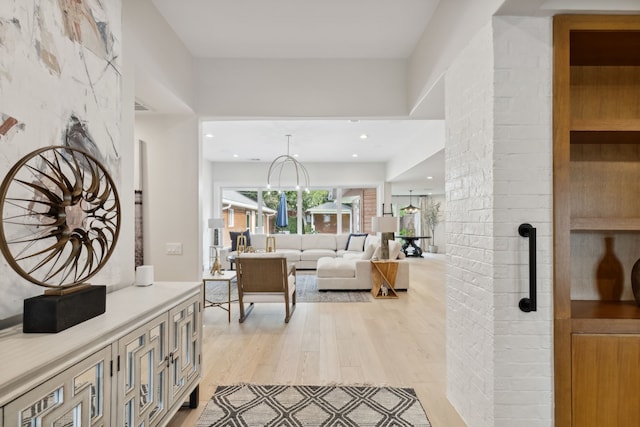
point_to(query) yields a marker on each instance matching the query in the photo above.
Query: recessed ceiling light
(429, 177)
(364, 136)
(354, 155)
(209, 135)
(295, 155)
(354, 121)
(235, 155)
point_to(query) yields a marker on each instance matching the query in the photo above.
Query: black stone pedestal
(55, 313)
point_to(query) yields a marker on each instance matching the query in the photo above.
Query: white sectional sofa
(305, 250)
(340, 262)
(353, 271)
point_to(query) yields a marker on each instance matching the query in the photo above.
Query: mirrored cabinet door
(184, 345)
(76, 397)
(142, 374)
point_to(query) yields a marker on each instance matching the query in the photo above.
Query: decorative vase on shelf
(610, 274)
(635, 282)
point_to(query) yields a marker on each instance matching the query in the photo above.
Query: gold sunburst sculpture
(60, 217)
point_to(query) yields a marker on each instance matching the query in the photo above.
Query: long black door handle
(529, 304)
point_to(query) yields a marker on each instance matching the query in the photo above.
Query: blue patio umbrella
(282, 218)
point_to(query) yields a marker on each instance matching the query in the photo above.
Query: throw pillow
(355, 242)
(395, 251)
(369, 250)
(234, 238)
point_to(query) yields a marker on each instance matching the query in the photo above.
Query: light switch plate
(173, 248)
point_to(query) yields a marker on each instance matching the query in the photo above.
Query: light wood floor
(395, 342)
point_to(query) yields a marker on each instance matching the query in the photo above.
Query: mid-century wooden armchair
(264, 277)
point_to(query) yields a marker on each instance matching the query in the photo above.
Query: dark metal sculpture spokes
(60, 217)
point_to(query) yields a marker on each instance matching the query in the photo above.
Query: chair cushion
(261, 255)
(271, 296)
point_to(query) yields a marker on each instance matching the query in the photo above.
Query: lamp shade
(216, 223)
(384, 224)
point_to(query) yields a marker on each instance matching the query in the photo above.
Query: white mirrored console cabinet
(133, 366)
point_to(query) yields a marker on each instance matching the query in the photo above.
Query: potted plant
(432, 219)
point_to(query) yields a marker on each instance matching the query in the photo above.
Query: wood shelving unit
(596, 194)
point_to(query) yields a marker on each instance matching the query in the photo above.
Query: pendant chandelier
(411, 209)
(278, 165)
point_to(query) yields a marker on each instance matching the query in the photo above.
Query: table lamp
(216, 224)
(387, 225)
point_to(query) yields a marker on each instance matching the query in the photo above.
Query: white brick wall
(469, 224)
(499, 174)
(523, 161)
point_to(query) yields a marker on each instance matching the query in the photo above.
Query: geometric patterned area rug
(307, 291)
(330, 406)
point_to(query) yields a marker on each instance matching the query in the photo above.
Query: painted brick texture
(499, 174)
(469, 224)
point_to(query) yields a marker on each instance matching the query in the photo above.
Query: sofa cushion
(336, 267)
(355, 242)
(288, 241)
(234, 238)
(292, 255)
(259, 241)
(318, 241)
(316, 254)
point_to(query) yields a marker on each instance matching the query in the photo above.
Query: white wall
(163, 67)
(499, 175)
(46, 76)
(171, 195)
(301, 88)
(451, 27)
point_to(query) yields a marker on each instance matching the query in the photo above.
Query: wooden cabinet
(605, 380)
(133, 366)
(596, 108)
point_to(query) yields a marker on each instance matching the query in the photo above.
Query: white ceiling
(333, 141)
(298, 28)
(309, 29)
(344, 29)
(314, 140)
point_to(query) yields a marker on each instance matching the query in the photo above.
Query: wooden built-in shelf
(622, 317)
(605, 224)
(603, 125)
(595, 309)
(605, 137)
